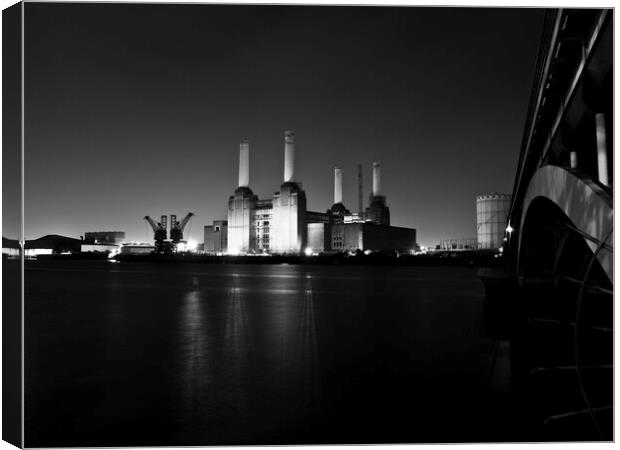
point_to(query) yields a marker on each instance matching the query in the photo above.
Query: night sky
(135, 110)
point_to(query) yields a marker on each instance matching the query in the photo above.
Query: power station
(282, 224)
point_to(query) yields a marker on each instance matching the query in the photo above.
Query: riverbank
(478, 258)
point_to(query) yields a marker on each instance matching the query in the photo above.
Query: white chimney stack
(337, 185)
(289, 156)
(244, 164)
(376, 179)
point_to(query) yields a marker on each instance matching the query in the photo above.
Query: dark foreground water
(164, 354)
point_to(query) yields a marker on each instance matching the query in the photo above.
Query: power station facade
(282, 224)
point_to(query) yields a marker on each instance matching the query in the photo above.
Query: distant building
(371, 237)
(319, 237)
(137, 248)
(459, 244)
(98, 248)
(491, 219)
(216, 237)
(10, 247)
(52, 244)
(283, 225)
(104, 237)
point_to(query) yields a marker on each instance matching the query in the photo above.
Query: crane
(176, 228)
(160, 231)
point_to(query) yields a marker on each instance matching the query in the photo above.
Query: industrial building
(104, 237)
(99, 248)
(52, 244)
(216, 237)
(491, 223)
(491, 219)
(102, 241)
(10, 248)
(458, 244)
(283, 225)
(368, 236)
(136, 248)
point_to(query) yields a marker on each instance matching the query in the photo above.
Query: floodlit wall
(319, 237)
(240, 212)
(289, 219)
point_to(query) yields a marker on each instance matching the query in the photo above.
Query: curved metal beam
(588, 207)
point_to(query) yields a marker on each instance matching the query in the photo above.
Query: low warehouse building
(52, 244)
(99, 248)
(371, 237)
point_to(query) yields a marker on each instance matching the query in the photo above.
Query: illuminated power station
(283, 225)
(288, 223)
(276, 225)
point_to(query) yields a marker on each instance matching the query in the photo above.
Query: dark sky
(135, 110)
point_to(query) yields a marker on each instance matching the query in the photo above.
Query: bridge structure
(559, 236)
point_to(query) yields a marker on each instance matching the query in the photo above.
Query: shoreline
(461, 258)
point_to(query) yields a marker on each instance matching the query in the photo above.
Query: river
(207, 354)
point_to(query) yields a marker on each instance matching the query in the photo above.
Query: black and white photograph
(229, 224)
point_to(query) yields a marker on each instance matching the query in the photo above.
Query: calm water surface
(190, 354)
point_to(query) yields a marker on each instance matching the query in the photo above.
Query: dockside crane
(176, 228)
(160, 231)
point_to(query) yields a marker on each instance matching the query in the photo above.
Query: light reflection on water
(228, 360)
(236, 327)
(237, 349)
(194, 347)
(299, 361)
(308, 350)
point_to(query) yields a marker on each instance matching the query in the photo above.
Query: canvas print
(235, 224)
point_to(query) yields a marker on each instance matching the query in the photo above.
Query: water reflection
(194, 347)
(307, 349)
(237, 348)
(236, 329)
(300, 358)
